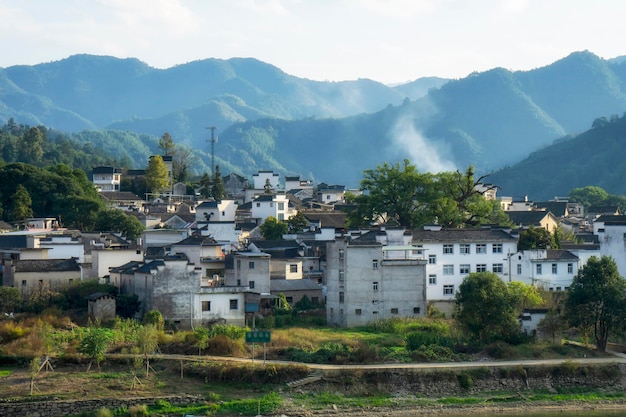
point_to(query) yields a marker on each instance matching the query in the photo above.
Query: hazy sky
(388, 41)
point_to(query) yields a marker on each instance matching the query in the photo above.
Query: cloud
(424, 154)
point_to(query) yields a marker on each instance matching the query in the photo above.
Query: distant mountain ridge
(327, 131)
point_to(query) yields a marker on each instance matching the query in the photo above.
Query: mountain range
(324, 131)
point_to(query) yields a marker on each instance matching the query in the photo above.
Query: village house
(452, 254)
(34, 275)
(552, 269)
(106, 178)
(367, 281)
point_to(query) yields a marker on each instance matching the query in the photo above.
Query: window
(206, 306)
(448, 289)
(448, 269)
(538, 269)
(464, 248)
(71, 281)
(234, 304)
(251, 284)
(238, 263)
(519, 269)
(357, 311)
(464, 269)
(341, 275)
(394, 311)
(481, 267)
(315, 300)
(432, 259)
(481, 248)
(570, 268)
(555, 269)
(327, 196)
(290, 300)
(341, 297)
(375, 264)
(432, 279)
(24, 283)
(238, 282)
(416, 310)
(448, 249)
(497, 268)
(293, 268)
(251, 265)
(496, 248)
(375, 302)
(341, 253)
(258, 204)
(280, 206)
(281, 217)
(375, 286)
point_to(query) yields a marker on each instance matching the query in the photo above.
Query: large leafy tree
(20, 207)
(596, 300)
(217, 190)
(115, 220)
(273, 229)
(588, 196)
(399, 194)
(395, 194)
(535, 238)
(486, 308)
(297, 223)
(460, 201)
(157, 179)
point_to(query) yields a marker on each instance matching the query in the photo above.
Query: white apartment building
(367, 281)
(452, 254)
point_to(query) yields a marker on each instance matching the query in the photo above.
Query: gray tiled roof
(46, 265)
(461, 235)
(283, 285)
(560, 255)
(527, 217)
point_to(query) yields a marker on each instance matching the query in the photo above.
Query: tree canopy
(399, 194)
(273, 229)
(596, 300)
(487, 308)
(157, 177)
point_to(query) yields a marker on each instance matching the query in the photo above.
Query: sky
(389, 41)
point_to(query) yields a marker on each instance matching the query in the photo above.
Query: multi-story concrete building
(367, 281)
(107, 178)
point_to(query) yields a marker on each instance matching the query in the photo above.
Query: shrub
(103, 412)
(227, 330)
(500, 350)
(465, 380)
(138, 410)
(154, 317)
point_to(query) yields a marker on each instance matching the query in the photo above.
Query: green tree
(10, 299)
(553, 323)
(147, 342)
(31, 150)
(484, 307)
(460, 201)
(524, 296)
(155, 318)
(127, 305)
(95, 344)
(205, 184)
(596, 300)
(115, 220)
(297, 223)
(20, 207)
(217, 190)
(272, 229)
(588, 196)
(393, 194)
(157, 177)
(166, 144)
(201, 334)
(535, 238)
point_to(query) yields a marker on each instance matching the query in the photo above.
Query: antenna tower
(213, 140)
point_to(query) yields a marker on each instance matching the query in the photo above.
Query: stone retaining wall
(52, 408)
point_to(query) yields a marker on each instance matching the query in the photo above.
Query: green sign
(258, 336)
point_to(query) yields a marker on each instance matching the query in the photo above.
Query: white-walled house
(611, 232)
(262, 178)
(367, 281)
(552, 269)
(174, 287)
(296, 183)
(106, 178)
(216, 211)
(329, 194)
(276, 205)
(452, 254)
(249, 269)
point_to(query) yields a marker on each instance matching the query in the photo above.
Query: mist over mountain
(325, 131)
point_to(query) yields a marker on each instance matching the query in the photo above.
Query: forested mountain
(592, 158)
(326, 131)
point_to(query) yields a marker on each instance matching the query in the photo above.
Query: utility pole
(213, 140)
